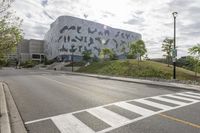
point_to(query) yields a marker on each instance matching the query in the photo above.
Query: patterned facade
(69, 34)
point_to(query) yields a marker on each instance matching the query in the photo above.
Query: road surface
(54, 102)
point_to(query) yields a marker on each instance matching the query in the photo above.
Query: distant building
(69, 34)
(30, 50)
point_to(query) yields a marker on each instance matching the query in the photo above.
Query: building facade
(30, 50)
(69, 34)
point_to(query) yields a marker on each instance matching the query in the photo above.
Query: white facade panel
(85, 36)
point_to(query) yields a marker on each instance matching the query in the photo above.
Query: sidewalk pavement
(10, 119)
(4, 116)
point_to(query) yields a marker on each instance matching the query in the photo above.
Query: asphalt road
(54, 102)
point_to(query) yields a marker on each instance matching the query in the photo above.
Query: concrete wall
(36, 46)
(85, 36)
(27, 48)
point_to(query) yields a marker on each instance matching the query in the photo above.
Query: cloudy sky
(152, 18)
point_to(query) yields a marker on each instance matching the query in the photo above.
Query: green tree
(137, 48)
(167, 48)
(146, 57)
(107, 53)
(87, 55)
(10, 32)
(195, 51)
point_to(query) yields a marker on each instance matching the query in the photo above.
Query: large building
(30, 50)
(69, 34)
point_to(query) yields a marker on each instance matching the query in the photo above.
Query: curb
(141, 81)
(5, 126)
(16, 123)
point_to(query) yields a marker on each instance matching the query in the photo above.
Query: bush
(48, 62)
(76, 64)
(29, 64)
(2, 62)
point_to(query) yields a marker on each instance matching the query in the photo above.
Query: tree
(195, 51)
(106, 53)
(10, 32)
(137, 48)
(146, 57)
(86, 55)
(167, 48)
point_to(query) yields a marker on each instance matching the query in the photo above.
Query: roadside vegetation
(130, 68)
(10, 31)
(138, 65)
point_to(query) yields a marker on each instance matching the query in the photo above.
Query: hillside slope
(130, 68)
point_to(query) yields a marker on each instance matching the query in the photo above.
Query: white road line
(183, 98)
(136, 109)
(38, 120)
(169, 101)
(70, 124)
(108, 116)
(157, 105)
(198, 94)
(189, 95)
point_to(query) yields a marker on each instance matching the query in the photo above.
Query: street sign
(174, 53)
(174, 59)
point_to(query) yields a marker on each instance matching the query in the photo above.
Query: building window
(35, 56)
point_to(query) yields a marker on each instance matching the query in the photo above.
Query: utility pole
(174, 52)
(72, 58)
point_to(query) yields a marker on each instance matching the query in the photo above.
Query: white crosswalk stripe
(193, 93)
(157, 105)
(134, 108)
(68, 123)
(183, 98)
(190, 95)
(169, 101)
(108, 116)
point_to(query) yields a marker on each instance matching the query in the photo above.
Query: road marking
(189, 95)
(64, 124)
(113, 119)
(157, 105)
(70, 124)
(180, 121)
(193, 93)
(108, 116)
(183, 98)
(169, 101)
(134, 108)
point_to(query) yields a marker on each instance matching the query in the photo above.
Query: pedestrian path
(108, 117)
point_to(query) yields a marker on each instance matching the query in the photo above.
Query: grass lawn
(130, 68)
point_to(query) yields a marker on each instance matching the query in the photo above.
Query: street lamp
(174, 52)
(72, 58)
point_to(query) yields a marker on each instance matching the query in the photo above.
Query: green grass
(130, 68)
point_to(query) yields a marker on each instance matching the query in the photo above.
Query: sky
(151, 18)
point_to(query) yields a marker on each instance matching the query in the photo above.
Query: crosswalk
(116, 117)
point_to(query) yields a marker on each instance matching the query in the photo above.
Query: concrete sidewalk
(10, 120)
(5, 126)
(140, 81)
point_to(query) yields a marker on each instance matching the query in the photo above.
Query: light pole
(174, 52)
(72, 58)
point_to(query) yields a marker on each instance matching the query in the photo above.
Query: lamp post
(72, 58)
(174, 52)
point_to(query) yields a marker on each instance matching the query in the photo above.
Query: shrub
(29, 64)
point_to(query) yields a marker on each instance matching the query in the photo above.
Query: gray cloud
(44, 3)
(48, 15)
(135, 20)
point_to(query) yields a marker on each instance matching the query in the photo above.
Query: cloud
(135, 20)
(153, 19)
(44, 2)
